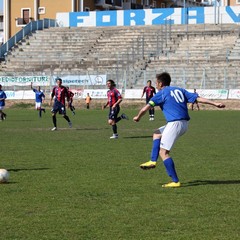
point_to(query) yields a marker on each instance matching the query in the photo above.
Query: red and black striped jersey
(60, 93)
(113, 96)
(150, 91)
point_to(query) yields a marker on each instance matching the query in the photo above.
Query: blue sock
(170, 168)
(155, 150)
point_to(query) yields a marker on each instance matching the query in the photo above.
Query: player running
(71, 95)
(3, 96)
(150, 92)
(173, 102)
(39, 99)
(114, 99)
(59, 93)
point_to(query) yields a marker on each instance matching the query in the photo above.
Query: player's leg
(115, 112)
(42, 109)
(56, 108)
(54, 120)
(1, 115)
(38, 108)
(112, 118)
(170, 169)
(114, 129)
(39, 112)
(72, 108)
(153, 113)
(198, 108)
(150, 114)
(171, 133)
(63, 112)
(192, 106)
(155, 150)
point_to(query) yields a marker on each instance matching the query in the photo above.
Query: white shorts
(38, 105)
(171, 132)
(2, 107)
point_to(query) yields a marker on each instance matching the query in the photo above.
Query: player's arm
(104, 106)
(52, 96)
(143, 92)
(43, 98)
(207, 101)
(67, 95)
(117, 102)
(141, 113)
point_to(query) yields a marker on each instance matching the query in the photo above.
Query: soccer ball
(4, 175)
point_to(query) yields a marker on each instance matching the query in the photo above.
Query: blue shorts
(58, 107)
(113, 113)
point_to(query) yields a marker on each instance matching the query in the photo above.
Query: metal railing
(29, 28)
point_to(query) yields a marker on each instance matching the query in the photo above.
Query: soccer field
(79, 184)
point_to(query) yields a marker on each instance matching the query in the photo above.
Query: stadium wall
(157, 16)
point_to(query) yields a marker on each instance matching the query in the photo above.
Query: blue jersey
(38, 95)
(173, 102)
(2, 95)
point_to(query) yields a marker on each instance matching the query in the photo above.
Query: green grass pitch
(79, 184)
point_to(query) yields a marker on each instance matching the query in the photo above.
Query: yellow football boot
(172, 185)
(148, 165)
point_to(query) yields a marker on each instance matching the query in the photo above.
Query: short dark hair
(164, 77)
(112, 82)
(149, 81)
(58, 78)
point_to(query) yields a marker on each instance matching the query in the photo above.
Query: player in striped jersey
(150, 91)
(59, 93)
(114, 99)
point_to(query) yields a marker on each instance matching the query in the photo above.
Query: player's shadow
(210, 182)
(139, 137)
(27, 169)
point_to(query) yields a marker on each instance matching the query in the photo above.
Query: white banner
(20, 94)
(234, 94)
(24, 80)
(82, 80)
(213, 93)
(95, 93)
(129, 93)
(133, 93)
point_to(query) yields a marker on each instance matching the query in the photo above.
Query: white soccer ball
(4, 176)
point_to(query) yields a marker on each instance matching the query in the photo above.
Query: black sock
(67, 118)
(114, 128)
(54, 121)
(118, 119)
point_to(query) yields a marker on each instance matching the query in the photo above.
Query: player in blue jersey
(173, 102)
(3, 96)
(39, 99)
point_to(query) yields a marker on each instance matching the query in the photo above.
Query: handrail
(29, 28)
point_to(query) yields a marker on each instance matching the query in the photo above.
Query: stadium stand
(191, 53)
